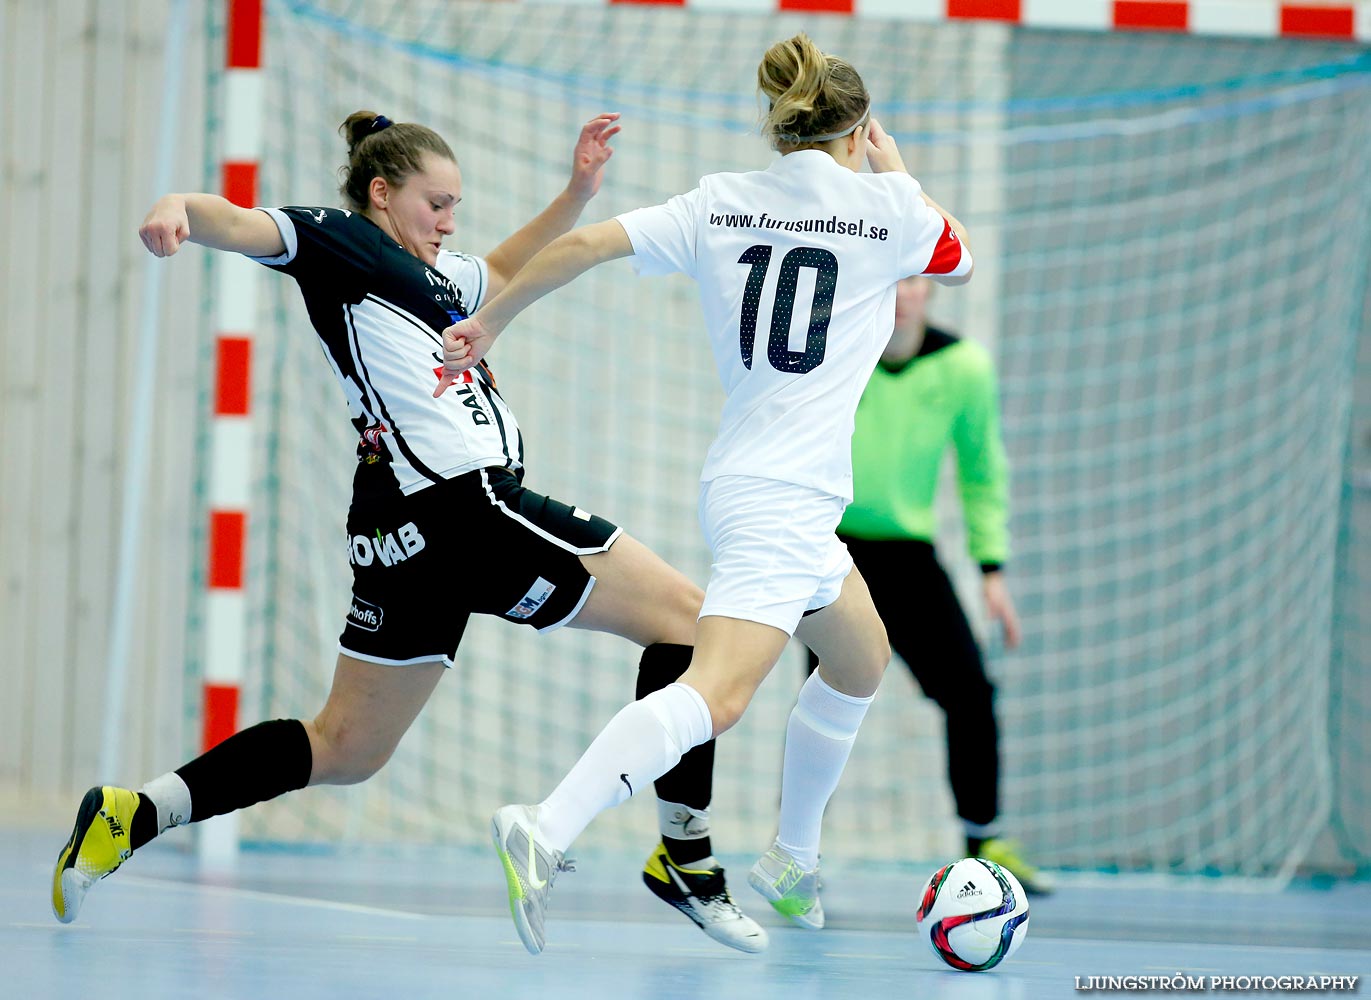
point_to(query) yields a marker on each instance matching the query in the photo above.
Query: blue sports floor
(352, 924)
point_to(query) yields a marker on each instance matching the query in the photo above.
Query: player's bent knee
(726, 708)
(679, 609)
(726, 715)
(674, 616)
(690, 598)
(871, 662)
(355, 769)
(339, 760)
(860, 673)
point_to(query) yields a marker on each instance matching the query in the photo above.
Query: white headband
(826, 137)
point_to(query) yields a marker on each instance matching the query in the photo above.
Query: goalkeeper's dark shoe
(99, 844)
(702, 895)
(1009, 856)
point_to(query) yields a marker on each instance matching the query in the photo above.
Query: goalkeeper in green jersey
(931, 389)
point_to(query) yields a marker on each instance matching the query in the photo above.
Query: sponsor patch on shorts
(365, 615)
(535, 598)
(583, 515)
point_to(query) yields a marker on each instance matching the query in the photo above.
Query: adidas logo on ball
(968, 890)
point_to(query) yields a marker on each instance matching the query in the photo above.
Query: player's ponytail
(378, 147)
(811, 97)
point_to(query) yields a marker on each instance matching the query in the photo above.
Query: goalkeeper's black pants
(929, 631)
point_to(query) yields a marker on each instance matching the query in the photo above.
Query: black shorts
(423, 564)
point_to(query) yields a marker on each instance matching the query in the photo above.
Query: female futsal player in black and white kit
(380, 289)
(776, 480)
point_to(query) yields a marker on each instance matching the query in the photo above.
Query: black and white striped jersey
(379, 312)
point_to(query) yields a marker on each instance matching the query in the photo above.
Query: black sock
(687, 852)
(691, 782)
(973, 846)
(144, 825)
(259, 763)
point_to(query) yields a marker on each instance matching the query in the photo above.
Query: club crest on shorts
(365, 615)
(535, 598)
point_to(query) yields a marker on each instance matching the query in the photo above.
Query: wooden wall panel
(99, 330)
(26, 57)
(12, 546)
(61, 376)
(83, 93)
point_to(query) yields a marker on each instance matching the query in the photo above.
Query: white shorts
(776, 554)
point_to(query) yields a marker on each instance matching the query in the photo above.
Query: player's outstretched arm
(211, 221)
(466, 343)
(588, 161)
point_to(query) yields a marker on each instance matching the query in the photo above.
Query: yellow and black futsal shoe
(698, 890)
(99, 844)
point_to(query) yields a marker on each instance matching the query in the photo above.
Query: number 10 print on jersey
(793, 341)
(778, 351)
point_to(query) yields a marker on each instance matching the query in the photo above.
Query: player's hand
(464, 345)
(591, 154)
(1001, 608)
(166, 226)
(881, 151)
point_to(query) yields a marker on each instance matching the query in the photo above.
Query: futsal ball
(974, 914)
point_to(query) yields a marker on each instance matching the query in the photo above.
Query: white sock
(818, 740)
(645, 740)
(172, 799)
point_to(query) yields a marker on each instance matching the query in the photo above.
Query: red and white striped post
(235, 315)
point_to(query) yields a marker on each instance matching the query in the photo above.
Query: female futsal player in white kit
(777, 477)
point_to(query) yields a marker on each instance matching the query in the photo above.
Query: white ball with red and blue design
(974, 914)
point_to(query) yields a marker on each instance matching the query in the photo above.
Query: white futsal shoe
(791, 890)
(530, 869)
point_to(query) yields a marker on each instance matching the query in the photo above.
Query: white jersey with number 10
(796, 266)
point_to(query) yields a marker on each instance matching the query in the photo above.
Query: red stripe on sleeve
(233, 376)
(221, 714)
(240, 183)
(947, 254)
(227, 530)
(1152, 15)
(1317, 22)
(244, 49)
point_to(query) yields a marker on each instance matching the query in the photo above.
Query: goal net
(1171, 238)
